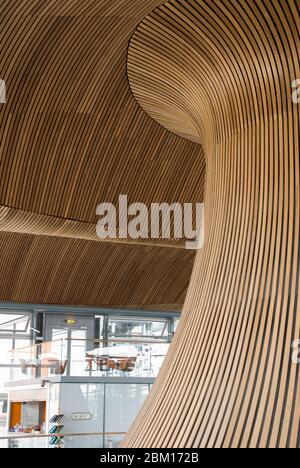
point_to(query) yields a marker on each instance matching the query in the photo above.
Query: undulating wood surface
(72, 136)
(74, 271)
(220, 72)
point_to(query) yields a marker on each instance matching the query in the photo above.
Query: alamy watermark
(160, 221)
(296, 91)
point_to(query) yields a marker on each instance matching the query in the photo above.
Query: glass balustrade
(75, 357)
(88, 440)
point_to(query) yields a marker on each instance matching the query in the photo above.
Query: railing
(118, 357)
(69, 440)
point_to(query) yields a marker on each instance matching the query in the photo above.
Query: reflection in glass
(129, 328)
(16, 324)
(122, 404)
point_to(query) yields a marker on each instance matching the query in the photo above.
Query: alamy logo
(2, 92)
(137, 221)
(296, 91)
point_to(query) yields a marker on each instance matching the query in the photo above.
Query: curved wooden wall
(220, 73)
(72, 136)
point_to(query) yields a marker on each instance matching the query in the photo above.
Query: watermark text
(160, 221)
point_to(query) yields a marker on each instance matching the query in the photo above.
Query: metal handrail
(97, 341)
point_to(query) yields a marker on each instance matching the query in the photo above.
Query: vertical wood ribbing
(220, 72)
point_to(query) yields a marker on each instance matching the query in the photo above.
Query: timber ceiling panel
(50, 270)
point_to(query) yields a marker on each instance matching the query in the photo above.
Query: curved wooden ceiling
(221, 72)
(73, 136)
(218, 73)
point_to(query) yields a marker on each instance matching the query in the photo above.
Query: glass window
(137, 328)
(11, 352)
(78, 352)
(4, 377)
(82, 399)
(122, 404)
(59, 344)
(14, 323)
(6, 347)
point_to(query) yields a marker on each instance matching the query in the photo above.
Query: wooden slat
(220, 73)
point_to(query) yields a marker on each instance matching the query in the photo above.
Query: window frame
(17, 334)
(135, 319)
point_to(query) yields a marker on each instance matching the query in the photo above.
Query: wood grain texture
(72, 136)
(220, 73)
(49, 270)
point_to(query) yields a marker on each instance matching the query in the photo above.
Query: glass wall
(15, 333)
(76, 400)
(15, 323)
(3, 415)
(69, 357)
(82, 345)
(122, 403)
(137, 328)
(39, 345)
(104, 411)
